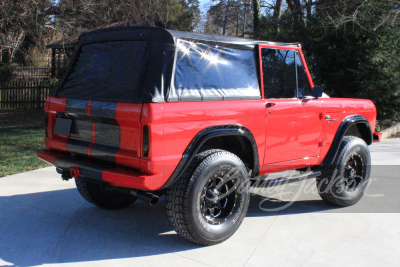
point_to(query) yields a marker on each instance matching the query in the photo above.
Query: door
(293, 121)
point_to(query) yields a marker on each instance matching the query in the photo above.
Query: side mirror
(317, 92)
(301, 93)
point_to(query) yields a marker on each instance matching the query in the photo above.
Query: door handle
(269, 105)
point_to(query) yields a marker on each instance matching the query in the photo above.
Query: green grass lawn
(21, 135)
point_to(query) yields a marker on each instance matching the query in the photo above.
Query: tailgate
(105, 131)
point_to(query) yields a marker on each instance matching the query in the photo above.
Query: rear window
(109, 71)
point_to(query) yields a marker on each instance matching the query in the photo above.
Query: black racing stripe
(108, 135)
(107, 129)
(103, 109)
(78, 147)
(95, 172)
(81, 131)
(81, 137)
(92, 174)
(78, 107)
(106, 153)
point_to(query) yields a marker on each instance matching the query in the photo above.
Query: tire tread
(329, 171)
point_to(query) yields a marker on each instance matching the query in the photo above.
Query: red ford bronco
(142, 112)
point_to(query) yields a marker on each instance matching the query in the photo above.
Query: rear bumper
(377, 137)
(116, 176)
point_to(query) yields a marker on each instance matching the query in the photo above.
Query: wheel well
(361, 130)
(238, 145)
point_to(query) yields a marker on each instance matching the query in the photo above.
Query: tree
(257, 18)
(75, 16)
(231, 17)
(278, 9)
(295, 7)
(26, 27)
(351, 46)
(357, 52)
(194, 9)
(222, 15)
(23, 25)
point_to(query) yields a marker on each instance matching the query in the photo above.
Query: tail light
(145, 141)
(46, 124)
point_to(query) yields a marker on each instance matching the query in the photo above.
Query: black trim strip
(77, 146)
(77, 107)
(106, 153)
(202, 137)
(343, 127)
(87, 169)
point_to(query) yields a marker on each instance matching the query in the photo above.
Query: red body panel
(128, 118)
(52, 106)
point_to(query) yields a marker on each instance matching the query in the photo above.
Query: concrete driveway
(44, 221)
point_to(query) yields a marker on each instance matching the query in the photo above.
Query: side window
(279, 73)
(302, 77)
(212, 71)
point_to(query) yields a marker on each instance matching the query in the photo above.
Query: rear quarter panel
(174, 125)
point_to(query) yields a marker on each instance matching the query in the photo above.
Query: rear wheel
(107, 199)
(208, 204)
(344, 182)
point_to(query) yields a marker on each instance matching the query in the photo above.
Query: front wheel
(209, 202)
(344, 182)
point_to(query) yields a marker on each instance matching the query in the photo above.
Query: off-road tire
(188, 207)
(106, 199)
(344, 182)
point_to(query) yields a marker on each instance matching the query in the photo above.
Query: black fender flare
(206, 134)
(340, 133)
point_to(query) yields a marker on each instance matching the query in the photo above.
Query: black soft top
(185, 35)
(101, 64)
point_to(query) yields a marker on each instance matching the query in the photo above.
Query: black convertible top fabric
(149, 64)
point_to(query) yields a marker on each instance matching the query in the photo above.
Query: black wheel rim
(354, 171)
(220, 197)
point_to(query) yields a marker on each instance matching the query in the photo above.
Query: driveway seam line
(191, 259)
(261, 239)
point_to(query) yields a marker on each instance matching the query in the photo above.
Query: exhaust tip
(153, 201)
(147, 197)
